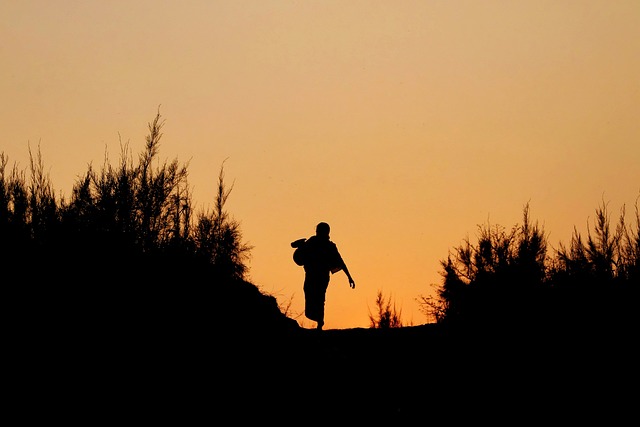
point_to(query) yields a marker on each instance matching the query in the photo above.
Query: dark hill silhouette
(120, 307)
(177, 355)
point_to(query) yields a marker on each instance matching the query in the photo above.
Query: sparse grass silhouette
(387, 315)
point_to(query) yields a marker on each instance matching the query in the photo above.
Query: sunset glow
(402, 124)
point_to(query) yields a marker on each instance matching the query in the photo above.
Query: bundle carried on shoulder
(299, 253)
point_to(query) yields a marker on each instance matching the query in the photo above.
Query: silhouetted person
(320, 258)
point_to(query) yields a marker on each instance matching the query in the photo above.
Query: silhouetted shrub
(507, 279)
(125, 254)
(598, 279)
(498, 280)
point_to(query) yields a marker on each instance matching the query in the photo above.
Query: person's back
(322, 256)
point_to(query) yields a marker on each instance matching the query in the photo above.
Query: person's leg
(322, 296)
(315, 289)
(314, 307)
(313, 304)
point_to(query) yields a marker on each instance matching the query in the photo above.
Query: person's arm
(343, 266)
(351, 282)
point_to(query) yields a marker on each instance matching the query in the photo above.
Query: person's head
(322, 230)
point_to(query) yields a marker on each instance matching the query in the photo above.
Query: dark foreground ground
(423, 374)
(416, 375)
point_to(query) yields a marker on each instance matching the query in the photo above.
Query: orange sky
(404, 124)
